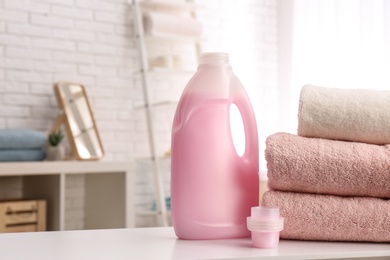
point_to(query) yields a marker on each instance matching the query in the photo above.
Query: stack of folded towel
(332, 180)
(22, 145)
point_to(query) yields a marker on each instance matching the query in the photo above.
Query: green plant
(55, 138)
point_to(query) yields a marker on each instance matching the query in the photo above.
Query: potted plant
(55, 152)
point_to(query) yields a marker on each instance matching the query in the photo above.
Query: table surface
(161, 243)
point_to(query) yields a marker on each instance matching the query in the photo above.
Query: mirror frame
(63, 118)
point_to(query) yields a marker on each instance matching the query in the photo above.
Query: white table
(161, 243)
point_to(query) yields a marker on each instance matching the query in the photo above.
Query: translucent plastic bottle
(212, 187)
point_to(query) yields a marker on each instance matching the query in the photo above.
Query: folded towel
(345, 114)
(162, 24)
(22, 155)
(331, 218)
(21, 139)
(315, 165)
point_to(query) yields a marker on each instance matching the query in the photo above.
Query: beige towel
(345, 114)
(331, 218)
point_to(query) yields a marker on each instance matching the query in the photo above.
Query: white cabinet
(108, 190)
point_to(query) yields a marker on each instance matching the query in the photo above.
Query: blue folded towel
(21, 139)
(22, 155)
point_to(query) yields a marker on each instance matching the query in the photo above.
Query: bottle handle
(241, 100)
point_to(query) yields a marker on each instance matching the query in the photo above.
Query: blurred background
(275, 48)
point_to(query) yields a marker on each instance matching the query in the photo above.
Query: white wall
(248, 31)
(90, 41)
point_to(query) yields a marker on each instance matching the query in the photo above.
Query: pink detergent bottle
(213, 188)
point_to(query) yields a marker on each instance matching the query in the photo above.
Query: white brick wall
(43, 41)
(90, 41)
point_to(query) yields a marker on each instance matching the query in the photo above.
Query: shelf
(175, 17)
(57, 167)
(148, 159)
(171, 70)
(107, 191)
(170, 38)
(164, 71)
(157, 104)
(145, 212)
(169, 6)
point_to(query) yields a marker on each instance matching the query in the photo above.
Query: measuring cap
(265, 224)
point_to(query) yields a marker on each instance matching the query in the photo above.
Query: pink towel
(331, 218)
(324, 166)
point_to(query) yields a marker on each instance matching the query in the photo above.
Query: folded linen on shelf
(316, 165)
(162, 24)
(20, 155)
(358, 115)
(331, 218)
(21, 139)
